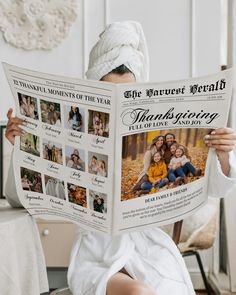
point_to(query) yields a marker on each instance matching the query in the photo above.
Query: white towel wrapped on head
(122, 43)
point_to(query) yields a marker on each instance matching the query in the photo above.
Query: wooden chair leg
(177, 231)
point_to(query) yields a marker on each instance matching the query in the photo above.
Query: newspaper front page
(162, 160)
(114, 158)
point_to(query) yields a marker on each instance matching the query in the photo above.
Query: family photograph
(159, 160)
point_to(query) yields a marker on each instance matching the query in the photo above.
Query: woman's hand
(13, 128)
(223, 141)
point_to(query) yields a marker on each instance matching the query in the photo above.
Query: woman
(97, 124)
(26, 184)
(24, 107)
(101, 168)
(75, 119)
(75, 162)
(146, 262)
(98, 204)
(93, 165)
(158, 144)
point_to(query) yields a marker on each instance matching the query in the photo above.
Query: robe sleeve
(10, 190)
(219, 184)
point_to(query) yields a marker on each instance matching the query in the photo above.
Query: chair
(201, 238)
(176, 238)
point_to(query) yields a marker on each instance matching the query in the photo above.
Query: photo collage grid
(73, 118)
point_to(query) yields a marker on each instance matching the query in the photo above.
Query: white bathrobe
(149, 256)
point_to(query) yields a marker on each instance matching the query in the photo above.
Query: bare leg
(121, 283)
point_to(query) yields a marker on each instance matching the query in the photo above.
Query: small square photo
(28, 106)
(54, 187)
(31, 180)
(77, 194)
(50, 112)
(29, 143)
(97, 201)
(98, 123)
(98, 164)
(74, 118)
(52, 151)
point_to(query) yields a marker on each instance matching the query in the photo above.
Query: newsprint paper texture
(115, 158)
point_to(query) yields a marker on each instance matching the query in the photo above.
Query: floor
(197, 293)
(202, 293)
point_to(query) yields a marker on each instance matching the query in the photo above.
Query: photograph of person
(162, 159)
(74, 118)
(28, 106)
(98, 164)
(29, 143)
(50, 112)
(98, 123)
(75, 158)
(31, 180)
(77, 195)
(52, 151)
(97, 201)
(157, 174)
(54, 187)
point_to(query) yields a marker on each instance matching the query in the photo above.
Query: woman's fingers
(12, 132)
(221, 133)
(16, 120)
(224, 130)
(221, 139)
(13, 126)
(9, 113)
(16, 133)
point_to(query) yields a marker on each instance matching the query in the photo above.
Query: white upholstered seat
(62, 291)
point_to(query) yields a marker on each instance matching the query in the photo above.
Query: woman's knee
(140, 289)
(121, 283)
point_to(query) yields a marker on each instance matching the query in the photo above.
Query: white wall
(166, 25)
(167, 29)
(183, 39)
(66, 59)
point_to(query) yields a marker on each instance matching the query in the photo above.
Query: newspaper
(115, 157)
